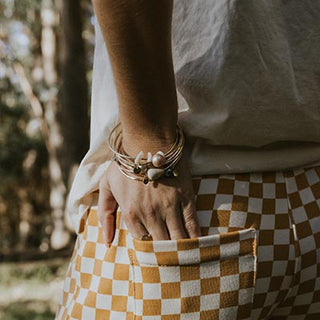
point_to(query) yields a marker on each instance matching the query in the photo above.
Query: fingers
(157, 228)
(175, 223)
(107, 208)
(173, 217)
(153, 225)
(135, 227)
(190, 217)
(181, 221)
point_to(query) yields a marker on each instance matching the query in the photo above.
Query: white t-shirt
(248, 80)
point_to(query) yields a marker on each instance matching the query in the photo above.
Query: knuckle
(131, 215)
(166, 203)
(191, 225)
(179, 193)
(100, 213)
(103, 183)
(188, 196)
(169, 200)
(176, 230)
(104, 215)
(109, 217)
(150, 215)
(189, 210)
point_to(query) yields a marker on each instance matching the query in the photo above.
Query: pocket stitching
(252, 236)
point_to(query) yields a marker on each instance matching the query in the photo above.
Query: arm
(138, 38)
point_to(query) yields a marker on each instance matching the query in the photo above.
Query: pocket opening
(194, 250)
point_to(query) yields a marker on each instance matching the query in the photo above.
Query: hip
(257, 257)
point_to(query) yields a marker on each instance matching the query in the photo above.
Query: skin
(137, 34)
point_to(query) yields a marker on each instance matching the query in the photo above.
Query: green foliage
(27, 310)
(37, 272)
(23, 154)
(39, 282)
(25, 216)
(25, 211)
(15, 144)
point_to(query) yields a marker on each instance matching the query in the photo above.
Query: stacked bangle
(146, 169)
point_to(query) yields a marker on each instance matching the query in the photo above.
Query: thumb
(107, 208)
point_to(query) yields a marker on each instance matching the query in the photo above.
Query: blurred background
(46, 52)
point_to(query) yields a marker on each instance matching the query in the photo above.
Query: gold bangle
(143, 169)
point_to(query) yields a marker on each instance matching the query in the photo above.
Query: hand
(164, 208)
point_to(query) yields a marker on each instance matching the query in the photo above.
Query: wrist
(147, 142)
(145, 162)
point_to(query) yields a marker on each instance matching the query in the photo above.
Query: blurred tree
(74, 89)
(74, 117)
(22, 171)
(43, 116)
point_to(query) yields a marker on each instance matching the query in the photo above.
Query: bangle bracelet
(150, 168)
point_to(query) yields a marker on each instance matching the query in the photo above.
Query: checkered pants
(258, 257)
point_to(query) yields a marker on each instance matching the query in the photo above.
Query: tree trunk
(60, 237)
(75, 111)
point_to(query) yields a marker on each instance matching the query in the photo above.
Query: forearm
(138, 37)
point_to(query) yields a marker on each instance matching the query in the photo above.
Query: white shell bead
(158, 160)
(154, 174)
(149, 157)
(138, 157)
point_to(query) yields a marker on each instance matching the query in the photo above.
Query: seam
(255, 261)
(133, 284)
(194, 264)
(252, 253)
(286, 174)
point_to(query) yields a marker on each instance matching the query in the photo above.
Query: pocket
(207, 277)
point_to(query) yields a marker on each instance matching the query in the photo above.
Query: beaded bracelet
(152, 167)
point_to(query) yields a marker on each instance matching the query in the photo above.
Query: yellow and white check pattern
(258, 257)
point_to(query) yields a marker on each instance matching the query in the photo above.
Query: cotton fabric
(258, 257)
(247, 78)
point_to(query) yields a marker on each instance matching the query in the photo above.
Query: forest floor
(31, 290)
